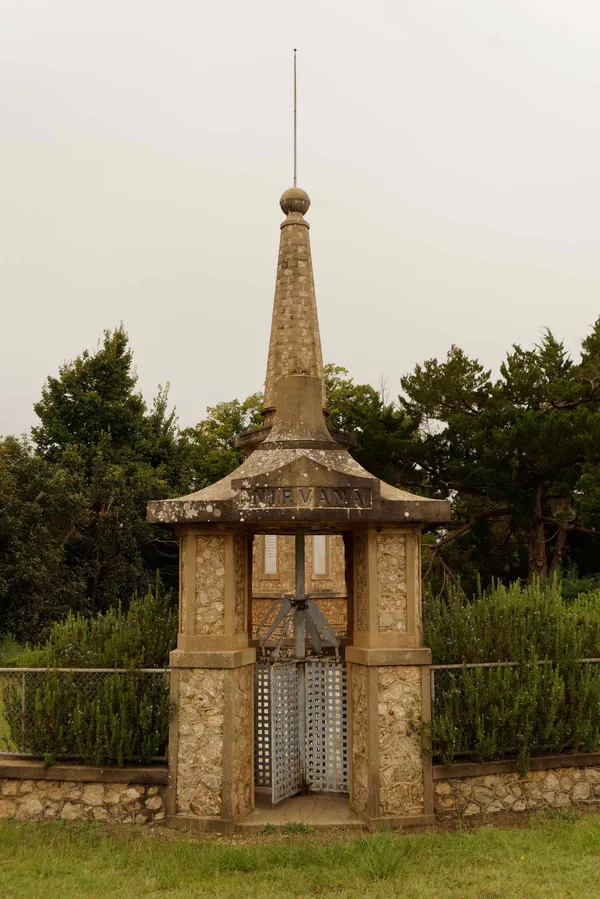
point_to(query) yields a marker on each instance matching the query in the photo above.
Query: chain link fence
(96, 715)
(491, 710)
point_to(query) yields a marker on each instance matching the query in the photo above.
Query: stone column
(211, 740)
(390, 704)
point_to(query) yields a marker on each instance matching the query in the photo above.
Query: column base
(201, 825)
(400, 823)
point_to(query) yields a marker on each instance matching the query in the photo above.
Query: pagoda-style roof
(298, 472)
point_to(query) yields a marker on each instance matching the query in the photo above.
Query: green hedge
(140, 636)
(548, 702)
(99, 718)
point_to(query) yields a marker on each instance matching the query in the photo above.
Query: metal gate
(278, 755)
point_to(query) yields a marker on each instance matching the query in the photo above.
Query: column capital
(383, 657)
(236, 658)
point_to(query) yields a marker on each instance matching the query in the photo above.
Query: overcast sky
(451, 151)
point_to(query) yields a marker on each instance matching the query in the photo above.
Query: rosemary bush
(548, 702)
(140, 637)
(98, 718)
(101, 718)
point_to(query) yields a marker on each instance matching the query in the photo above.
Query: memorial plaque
(306, 497)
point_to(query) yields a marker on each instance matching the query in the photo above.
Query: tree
(95, 425)
(42, 512)
(517, 455)
(381, 429)
(208, 448)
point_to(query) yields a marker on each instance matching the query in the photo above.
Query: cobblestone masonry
(359, 783)
(66, 800)
(417, 583)
(239, 555)
(295, 347)
(243, 718)
(362, 584)
(200, 746)
(391, 582)
(210, 585)
(183, 576)
(400, 743)
(553, 789)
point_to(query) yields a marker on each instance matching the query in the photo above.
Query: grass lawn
(551, 857)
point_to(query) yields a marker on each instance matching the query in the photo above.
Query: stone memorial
(298, 479)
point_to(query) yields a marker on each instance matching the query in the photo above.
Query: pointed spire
(295, 363)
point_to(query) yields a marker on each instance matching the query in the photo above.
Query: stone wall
(400, 742)
(118, 803)
(361, 549)
(391, 582)
(200, 741)
(239, 560)
(510, 792)
(210, 585)
(360, 781)
(243, 729)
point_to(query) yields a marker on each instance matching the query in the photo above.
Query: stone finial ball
(295, 200)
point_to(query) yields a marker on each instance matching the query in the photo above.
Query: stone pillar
(390, 704)
(211, 754)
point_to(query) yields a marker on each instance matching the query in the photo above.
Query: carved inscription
(306, 497)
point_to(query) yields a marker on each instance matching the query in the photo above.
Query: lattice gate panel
(326, 726)
(262, 712)
(284, 737)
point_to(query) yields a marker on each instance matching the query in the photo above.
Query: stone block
(71, 812)
(117, 787)
(551, 782)
(30, 809)
(10, 788)
(581, 791)
(26, 786)
(93, 795)
(494, 806)
(483, 795)
(8, 808)
(472, 809)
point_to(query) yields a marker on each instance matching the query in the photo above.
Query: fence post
(23, 711)
(432, 694)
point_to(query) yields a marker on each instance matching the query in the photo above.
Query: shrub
(549, 701)
(101, 718)
(140, 637)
